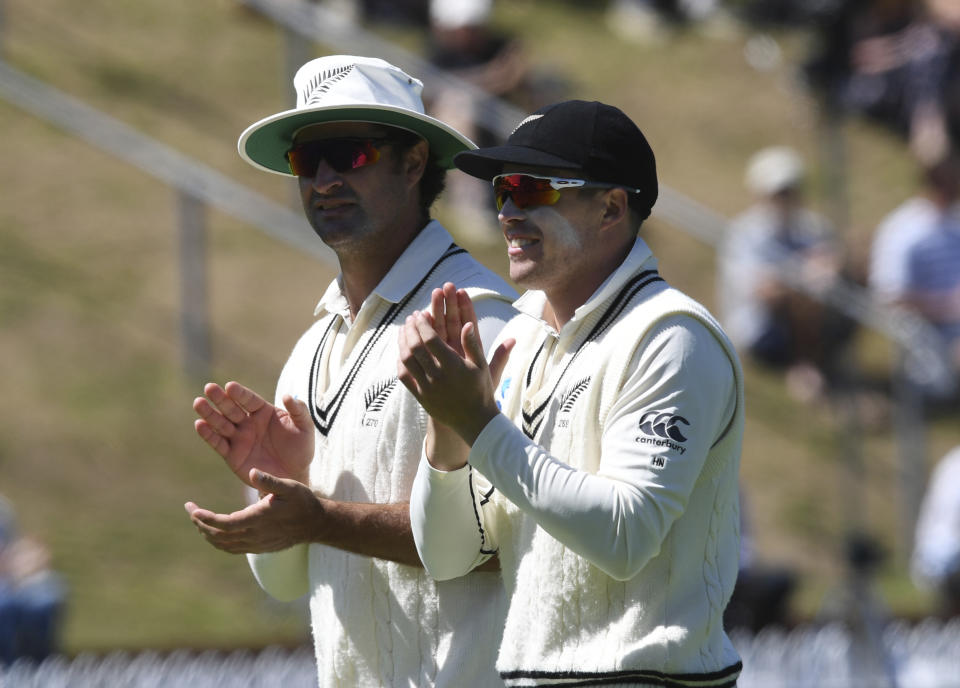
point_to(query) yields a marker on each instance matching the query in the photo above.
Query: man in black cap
(598, 451)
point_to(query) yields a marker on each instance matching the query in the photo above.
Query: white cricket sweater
(616, 504)
(375, 622)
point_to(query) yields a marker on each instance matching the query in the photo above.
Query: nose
(510, 212)
(325, 179)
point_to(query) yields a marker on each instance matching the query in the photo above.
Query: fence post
(194, 319)
(912, 454)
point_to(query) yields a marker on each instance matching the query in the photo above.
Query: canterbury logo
(321, 83)
(531, 118)
(663, 425)
(375, 397)
(570, 398)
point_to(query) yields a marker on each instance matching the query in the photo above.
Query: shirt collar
(425, 250)
(640, 258)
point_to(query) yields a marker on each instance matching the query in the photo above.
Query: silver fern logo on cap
(531, 118)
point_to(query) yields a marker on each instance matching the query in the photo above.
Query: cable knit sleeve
(680, 384)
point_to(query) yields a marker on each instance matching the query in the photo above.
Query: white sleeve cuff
(444, 520)
(283, 575)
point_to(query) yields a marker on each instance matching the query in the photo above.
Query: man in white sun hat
(334, 457)
(775, 324)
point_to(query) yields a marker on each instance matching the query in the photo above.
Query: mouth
(332, 207)
(520, 247)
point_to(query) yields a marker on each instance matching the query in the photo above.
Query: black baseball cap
(591, 139)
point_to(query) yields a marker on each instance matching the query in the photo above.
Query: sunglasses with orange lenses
(342, 154)
(526, 190)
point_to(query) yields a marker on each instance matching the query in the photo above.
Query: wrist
(320, 520)
(471, 429)
(444, 448)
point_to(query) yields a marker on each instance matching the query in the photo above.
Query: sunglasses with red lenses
(342, 154)
(526, 190)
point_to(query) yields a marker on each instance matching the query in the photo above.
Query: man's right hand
(248, 432)
(285, 516)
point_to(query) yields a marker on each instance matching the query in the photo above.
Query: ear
(415, 162)
(615, 208)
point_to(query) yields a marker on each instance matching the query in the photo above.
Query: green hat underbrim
(265, 143)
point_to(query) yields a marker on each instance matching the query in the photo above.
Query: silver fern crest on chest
(375, 398)
(568, 399)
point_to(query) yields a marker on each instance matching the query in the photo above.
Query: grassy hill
(97, 449)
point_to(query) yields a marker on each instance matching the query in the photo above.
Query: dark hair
(434, 177)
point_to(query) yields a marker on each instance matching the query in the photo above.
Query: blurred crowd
(31, 594)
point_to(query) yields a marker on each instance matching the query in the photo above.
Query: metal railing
(197, 186)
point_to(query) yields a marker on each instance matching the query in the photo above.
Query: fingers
(407, 370)
(245, 397)
(467, 312)
(438, 308)
(421, 344)
(299, 413)
(210, 435)
(452, 314)
(213, 418)
(227, 532)
(223, 402)
(499, 360)
(450, 308)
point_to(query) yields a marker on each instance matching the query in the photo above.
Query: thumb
(499, 360)
(264, 482)
(299, 413)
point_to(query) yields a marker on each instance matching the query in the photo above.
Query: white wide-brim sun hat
(773, 170)
(347, 88)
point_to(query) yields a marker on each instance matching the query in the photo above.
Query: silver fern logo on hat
(348, 88)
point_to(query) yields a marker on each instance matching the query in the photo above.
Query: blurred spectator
(31, 595)
(645, 20)
(464, 42)
(903, 227)
(774, 323)
(788, 13)
(396, 12)
(932, 287)
(896, 62)
(913, 249)
(936, 556)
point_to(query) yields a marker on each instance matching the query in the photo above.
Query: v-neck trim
(325, 407)
(533, 406)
